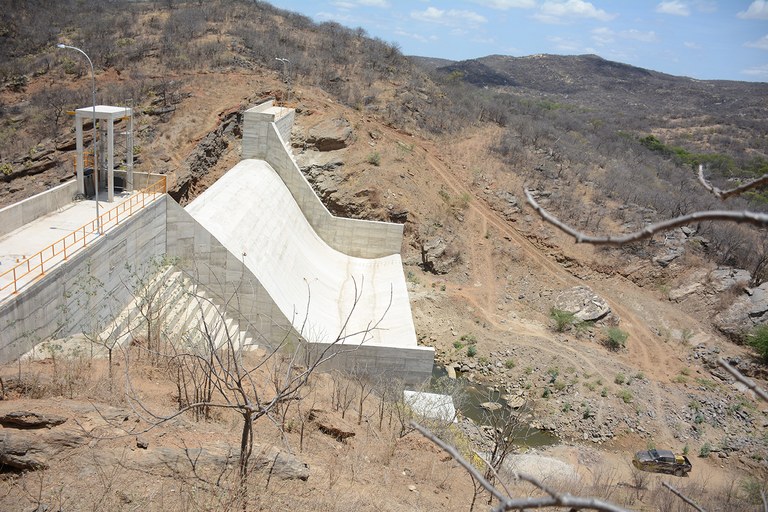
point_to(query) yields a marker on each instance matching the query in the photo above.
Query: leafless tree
(224, 376)
(758, 219)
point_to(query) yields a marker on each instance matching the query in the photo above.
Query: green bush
(758, 339)
(625, 395)
(458, 345)
(509, 364)
(620, 378)
(616, 339)
(6, 169)
(472, 351)
(563, 319)
(705, 450)
(374, 159)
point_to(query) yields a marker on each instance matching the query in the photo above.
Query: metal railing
(36, 265)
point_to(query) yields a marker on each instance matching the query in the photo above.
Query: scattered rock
(324, 425)
(491, 406)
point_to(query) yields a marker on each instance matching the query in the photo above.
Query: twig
(743, 379)
(506, 503)
(758, 219)
(683, 497)
(725, 194)
(453, 452)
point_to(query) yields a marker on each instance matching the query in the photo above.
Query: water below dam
(468, 399)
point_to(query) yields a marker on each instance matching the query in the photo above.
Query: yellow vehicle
(662, 461)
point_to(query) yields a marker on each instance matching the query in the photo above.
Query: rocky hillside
(503, 297)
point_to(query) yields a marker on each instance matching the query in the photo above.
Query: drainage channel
(472, 395)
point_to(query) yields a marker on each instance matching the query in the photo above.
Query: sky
(704, 39)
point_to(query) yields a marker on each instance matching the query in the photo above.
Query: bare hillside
(428, 148)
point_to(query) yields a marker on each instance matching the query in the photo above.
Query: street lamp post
(95, 160)
(287, 77)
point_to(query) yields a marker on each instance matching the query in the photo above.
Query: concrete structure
(106, 117)
(431, 405)
(265, 249)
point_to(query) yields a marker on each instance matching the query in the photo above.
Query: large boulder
(27, 451)
(725, 278)
(747, 311)
(583, 303)
(330, 135)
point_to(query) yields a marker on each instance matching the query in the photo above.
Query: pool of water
(471, 395)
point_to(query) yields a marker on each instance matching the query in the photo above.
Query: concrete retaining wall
(88, 289)
(411, 365)
(265, 139)
(17, 215)
(141, 179)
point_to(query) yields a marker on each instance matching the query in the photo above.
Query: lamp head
(61, 45)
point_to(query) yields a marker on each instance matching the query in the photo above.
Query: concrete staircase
(186, 318)
(191, 319)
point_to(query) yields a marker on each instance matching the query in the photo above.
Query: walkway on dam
(25, 243)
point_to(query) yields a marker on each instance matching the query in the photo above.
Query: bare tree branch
(743, 379)
(758, 219)
(683, 497)
(554, 499)
(453, 452)
(725, 194)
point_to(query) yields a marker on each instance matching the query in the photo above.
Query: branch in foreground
(683, 497)
(725, 194)
(758, 219)
(507, 503)
(743, 379)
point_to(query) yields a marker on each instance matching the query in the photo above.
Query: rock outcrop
(583, 303)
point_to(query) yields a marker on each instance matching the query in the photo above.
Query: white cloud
(565, 45)
(503, 5)
(335, 16)
(374, 3)
(758, 10)
(759, 71)
(638, 35)
(674, 7)
(761, 43)
(692, 45)
(346, 4)
(417, 37)
(451, 17)
(562, 12)
(604, 36)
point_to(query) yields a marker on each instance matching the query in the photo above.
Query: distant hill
(590, 80)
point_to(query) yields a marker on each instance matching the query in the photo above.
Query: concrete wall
(263, 138)
(411, 365)
(201, 256)
(86, 290)
(141, 179)
(16, 215)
